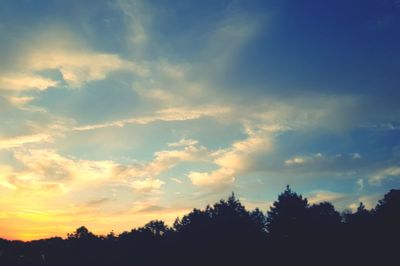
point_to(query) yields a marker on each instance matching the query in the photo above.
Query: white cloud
(147, 184)
(14, 142)
(299, 160)
(49, 165)
(238, 157)
(78, 67)
(24, 82)
(324, 162)
(167, 159)
(55, 48)
(295, 160)
(183, 142)
(218, 177)
(360, 183)
(46, 171)
(165, 115)
(234, 160)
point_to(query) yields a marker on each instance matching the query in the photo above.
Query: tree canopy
(292, 232)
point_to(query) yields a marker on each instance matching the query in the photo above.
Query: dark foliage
(293, 232)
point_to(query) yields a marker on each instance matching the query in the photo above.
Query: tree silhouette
(292, 233)
(81, 233)
(288, 215)
(388, 209)
(156, 228)
(387, 225)
(323, 225)
(259, 220)
(287, 223)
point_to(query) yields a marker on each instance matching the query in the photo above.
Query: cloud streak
(14, 142)
(165, 115)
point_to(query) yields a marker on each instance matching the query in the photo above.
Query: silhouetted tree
(388, 210)
(323, 227)
(156, 228)
(288, 215)
(81, 233)
(287, 222)
(259, 220)
(292, 233)
(387, 227)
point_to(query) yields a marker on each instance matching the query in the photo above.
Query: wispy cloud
(25, 82)
(165, 115)
(183, 142)
(56, 48)
(298, 160)
(383, 174)
(14, 142)
(136, 17)
(79, 67)
(234, 160)
(323, 195)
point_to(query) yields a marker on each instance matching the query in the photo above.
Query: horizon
(117, 112)
(170, 225)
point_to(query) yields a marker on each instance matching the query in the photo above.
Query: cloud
(169, 158)
(356, 155)
(25, 82)
(263, 205)
(147, 184)
(383, 174)
(78, 67)
(14, 142)
(234, 160)
(230, 33)
(45, 169)
(152, 209)
(325, 163)
(165, 115)
(136, 16)
(369, 201)
(360, 183)
(318, 196)
(20, 101)
(183, 142)
(263, 123)
(176, 180)
(303, 159)
(218, 177)
(56, 48)
(259, 140)
(97, 202)
(48, 165)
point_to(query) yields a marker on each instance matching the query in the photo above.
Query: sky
(114, 113)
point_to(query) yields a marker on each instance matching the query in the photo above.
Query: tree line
(292, 232)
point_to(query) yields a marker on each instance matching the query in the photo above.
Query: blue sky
(117, 112)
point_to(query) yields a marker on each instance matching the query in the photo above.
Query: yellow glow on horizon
(31, 225)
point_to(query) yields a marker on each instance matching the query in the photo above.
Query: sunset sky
(114, 113)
